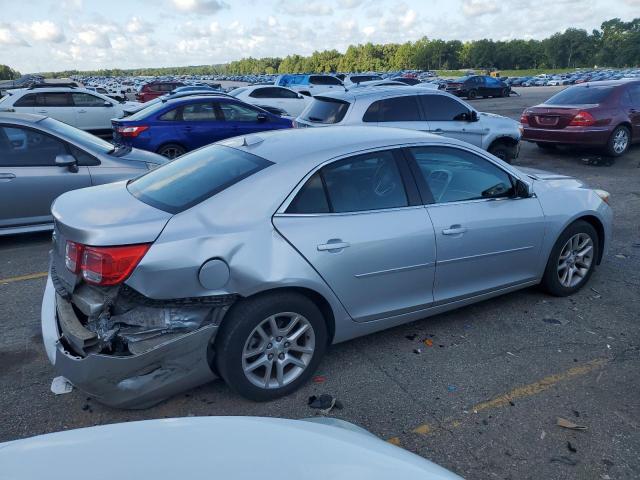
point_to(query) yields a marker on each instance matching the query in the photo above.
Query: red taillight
(131, 131)
(582, 119)
(524, 120)
(104, 265)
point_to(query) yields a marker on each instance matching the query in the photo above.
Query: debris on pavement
(564, 423)
(428, 342)
(411, 337)
(61, 385)
(543, 434)
(319, 379)
(452, 388)
(325, 403)
(571, 448)
(417, 351)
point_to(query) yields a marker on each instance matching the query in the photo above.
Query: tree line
(615, 44)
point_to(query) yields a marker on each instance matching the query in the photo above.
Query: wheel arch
(318, 299)
(504, 140)
(599, 227)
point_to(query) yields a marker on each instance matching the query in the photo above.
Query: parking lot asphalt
(481, 397)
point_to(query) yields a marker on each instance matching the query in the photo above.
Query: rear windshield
(326, 110)
(192, 178)
(580, 96)
(147, 110)
(364, 78)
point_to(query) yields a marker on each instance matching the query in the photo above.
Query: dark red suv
(598, 114)
(156, 89)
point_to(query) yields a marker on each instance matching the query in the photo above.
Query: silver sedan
(41, 158)
(249, 257)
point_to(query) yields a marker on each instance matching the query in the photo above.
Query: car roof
(21, 117)
(200, 96)
(608, 83)
(313, 146)
(381, 92)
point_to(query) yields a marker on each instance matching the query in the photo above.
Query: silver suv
(414, 108)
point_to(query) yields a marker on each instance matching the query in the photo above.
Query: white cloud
(137, 25)
(45, 31)
(94, 38)
(477, 8)
(199, 6)
(9, 38)
(315, 8)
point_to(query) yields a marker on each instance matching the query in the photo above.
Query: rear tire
(619, 141)
(286, 362)
(171, 150)
(572, 260)
(505, 92)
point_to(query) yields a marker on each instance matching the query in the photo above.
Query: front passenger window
(455, 175)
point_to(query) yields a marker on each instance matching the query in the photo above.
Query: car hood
(221, 447)
(106, 215)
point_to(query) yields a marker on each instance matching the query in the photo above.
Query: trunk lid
(554, 118)
(106, 215)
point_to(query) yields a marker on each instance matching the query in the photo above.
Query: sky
(54, 35)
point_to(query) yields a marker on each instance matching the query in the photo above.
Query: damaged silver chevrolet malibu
(247, 258)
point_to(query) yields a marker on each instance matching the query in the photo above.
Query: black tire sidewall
(172, 145)
(241, 321)
(472, 94)
(550, 281)
(500, 149)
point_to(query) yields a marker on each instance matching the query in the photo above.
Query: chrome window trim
(281, 211)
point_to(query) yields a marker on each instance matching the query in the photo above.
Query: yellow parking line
(21, 278)
(505, 399)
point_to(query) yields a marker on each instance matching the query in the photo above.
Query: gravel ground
(482, 400)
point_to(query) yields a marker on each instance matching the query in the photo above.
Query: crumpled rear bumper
(133, 381)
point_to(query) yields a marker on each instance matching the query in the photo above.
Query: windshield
(580, 96)
(237, 91)
(194, 177)
(326, 110)
(80, 136)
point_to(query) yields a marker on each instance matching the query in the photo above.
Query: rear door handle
(7, 177)
(43, 111)
(454, 230)
(333, 246)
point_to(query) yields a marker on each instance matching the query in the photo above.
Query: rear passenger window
(198, 112)
(26, 101)
(54, 99)
(366, 182)
(311, 198)
(399, 109)
(170, 115)
(634, 93)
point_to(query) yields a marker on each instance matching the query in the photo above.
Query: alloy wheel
(620, 141)
(171, 152)
(278, 350)
(575, 260)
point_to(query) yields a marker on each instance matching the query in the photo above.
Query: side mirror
(300, 96)
(68, 161)
(262, 117)
(473, 116)
(522, 190)
(108, 104)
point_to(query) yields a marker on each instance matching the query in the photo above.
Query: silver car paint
(482, 133)
(27, 192)
(246, 227)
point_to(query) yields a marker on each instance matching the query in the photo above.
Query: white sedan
(272, 96)
(239, 448)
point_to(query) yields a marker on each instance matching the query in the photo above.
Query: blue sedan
(174, 127)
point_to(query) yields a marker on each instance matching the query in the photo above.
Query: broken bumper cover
(133, 381)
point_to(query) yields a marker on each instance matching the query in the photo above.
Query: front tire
(270, 345)
(501, 151)
(619, 141)
(472, 95)
(572, 260)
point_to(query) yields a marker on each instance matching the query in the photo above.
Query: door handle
(334, 245)
(43, 111)
(7, 177)
(438, 131)
(82, 111)
(188, 128)
(454, 230)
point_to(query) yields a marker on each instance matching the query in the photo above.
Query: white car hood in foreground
(230, 448)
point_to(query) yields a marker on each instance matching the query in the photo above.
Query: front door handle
(6, 177)
(438, 131)
(43, 111)
(454, 230)
(82, 111)
(334, 245)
